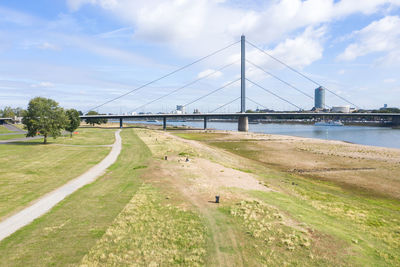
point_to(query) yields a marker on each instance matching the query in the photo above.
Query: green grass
(84, 136)
(4, 130)
(68, 232)
(29, 170)
(350, 227)
(11, 136)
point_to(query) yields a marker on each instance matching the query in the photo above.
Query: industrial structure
(342, 109)
(319, 99)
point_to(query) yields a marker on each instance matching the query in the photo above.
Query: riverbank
(370, 168)
(283, 202)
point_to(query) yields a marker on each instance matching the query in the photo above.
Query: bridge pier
(120, 123)
(396, 121)
(243, 124)
(205, 123)
(164, 123)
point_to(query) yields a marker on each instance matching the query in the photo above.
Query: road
(47, 202)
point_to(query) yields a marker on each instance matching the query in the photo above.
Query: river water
(373, 136)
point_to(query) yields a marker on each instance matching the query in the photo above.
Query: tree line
(9, 112)
(45, 117)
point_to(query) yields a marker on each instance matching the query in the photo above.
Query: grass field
(29, 169)
(151, 211)
(11, 136)
(4, 130)
(97, 224)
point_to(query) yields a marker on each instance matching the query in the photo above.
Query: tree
(8, 112)
(18, 111)
(73, 120)
(93, 121)
(45, 117)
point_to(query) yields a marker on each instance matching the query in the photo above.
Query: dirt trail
(198, 181)
(47, 202)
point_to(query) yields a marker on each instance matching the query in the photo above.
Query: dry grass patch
(150, 233)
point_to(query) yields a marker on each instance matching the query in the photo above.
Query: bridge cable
(279, 79)
(256, 102)
(281, 98)
(212, 92)
(301, 74)
(230, 102)
(186, 85)
(167, 75)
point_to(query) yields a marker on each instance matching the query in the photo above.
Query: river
(373, 136)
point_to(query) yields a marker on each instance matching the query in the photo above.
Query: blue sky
(84, 52)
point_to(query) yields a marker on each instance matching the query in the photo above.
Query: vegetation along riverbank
(283, 201)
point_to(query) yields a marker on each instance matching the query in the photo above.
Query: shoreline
(157, 126)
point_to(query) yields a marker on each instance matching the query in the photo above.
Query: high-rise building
(319, 98)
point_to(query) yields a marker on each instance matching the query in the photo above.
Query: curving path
(44, 204)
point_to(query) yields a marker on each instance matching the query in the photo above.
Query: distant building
(264, 110)
(319, 98)
(196, 111)
(180, 109)
(341, 109)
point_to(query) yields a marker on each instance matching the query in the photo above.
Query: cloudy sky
(85, 52)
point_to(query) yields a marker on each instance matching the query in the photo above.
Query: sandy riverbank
(374, 169)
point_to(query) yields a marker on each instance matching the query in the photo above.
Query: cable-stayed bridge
(241, 114)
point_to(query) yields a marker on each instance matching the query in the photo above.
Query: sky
(83, 53)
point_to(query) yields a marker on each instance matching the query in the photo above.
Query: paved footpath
(45, 203)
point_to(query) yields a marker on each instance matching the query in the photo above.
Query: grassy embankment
(344, 196)
(4, 130)
(29, 170)
(117, 220)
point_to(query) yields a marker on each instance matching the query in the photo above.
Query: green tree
(18, 111)
(8, 112)
(93, 121)
(45, 117)
(73, 120)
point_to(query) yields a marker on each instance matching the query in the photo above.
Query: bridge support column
(396, 121)
(205, 123)
(165, 123)
(120, 123)
(243, 124)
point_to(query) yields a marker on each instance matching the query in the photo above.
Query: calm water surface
(373, 136)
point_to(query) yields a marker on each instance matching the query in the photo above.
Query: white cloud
(15, 17)
(213, 74)
(42, 85)
(298, 52)
(196, 27)
(48, 46)
(379, 36)
(389, 80)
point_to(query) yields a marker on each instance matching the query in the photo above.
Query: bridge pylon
(243, 121)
